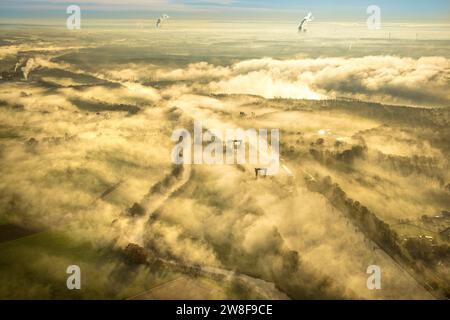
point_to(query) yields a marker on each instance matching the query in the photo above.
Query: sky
(331, 10)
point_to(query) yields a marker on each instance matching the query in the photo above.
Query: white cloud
(387, 79)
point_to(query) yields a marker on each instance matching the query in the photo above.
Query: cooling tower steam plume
(304, 22)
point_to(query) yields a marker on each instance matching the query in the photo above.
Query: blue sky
(338, 10)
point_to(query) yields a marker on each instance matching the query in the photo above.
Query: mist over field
(86, 174)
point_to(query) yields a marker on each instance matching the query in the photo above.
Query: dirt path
(131, 229)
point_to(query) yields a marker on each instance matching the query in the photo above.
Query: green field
(34, 267)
